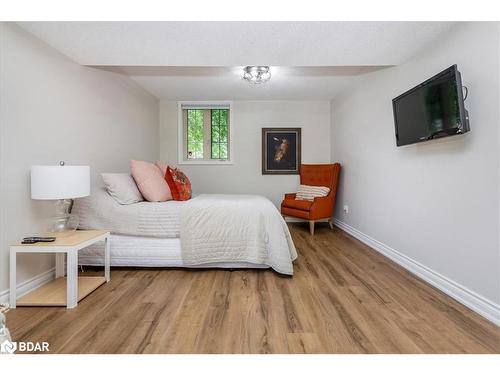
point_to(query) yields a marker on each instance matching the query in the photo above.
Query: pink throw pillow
(150, 181)
(163, 165)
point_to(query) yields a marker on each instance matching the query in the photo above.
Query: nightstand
(64, 290)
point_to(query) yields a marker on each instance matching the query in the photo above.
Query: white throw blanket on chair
(235, 228)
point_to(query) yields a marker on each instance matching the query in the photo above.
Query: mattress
(135, 251)
(147, 219)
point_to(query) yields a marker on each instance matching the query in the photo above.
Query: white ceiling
(202, 60)
(237, 43)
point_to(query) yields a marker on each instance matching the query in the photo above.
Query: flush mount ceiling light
(257, 74)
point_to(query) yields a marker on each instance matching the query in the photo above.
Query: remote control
(40, 239)
(29, 241)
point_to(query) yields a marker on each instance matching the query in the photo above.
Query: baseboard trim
(30, 284)
(465, 296)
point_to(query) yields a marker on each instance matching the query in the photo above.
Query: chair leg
(311, 227)
(330, 223)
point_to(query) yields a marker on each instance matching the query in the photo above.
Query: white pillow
(308, 192)
(122, 187)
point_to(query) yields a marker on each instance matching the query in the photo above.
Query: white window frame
(181, 147)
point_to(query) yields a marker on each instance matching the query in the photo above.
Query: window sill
(205, 162)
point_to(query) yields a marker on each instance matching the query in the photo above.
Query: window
(219, 132)
(206, 133)
(195, 133)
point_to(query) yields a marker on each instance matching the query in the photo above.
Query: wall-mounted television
(433, 109)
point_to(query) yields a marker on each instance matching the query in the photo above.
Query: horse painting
(281, 150)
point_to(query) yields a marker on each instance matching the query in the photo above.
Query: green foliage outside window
(219, 133)
(195, 133)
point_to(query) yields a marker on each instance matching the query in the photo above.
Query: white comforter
(147, 219)
(235, 228)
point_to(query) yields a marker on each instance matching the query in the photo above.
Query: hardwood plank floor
(343, 298)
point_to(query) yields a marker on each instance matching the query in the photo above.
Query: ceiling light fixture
(257, 74)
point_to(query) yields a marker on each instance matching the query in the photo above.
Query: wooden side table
(63, 291)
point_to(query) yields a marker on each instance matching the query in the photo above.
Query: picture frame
(281, 150)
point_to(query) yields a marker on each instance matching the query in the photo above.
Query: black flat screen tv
(433, 109)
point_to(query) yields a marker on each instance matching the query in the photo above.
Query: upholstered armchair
(321, 208)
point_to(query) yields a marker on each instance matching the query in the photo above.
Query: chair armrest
(322, 207)
(320, 200)
(290, 195)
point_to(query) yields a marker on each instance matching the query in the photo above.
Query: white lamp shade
(60, 182)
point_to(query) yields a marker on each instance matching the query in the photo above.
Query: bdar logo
(8, 347)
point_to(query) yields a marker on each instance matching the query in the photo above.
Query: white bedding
(133, 251)
(214, 230)
(235, 228)
(148, 219)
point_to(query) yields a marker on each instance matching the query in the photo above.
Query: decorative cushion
(122, 187)
(163, 165)
(150, 181)
(180, 186)
(309, 192)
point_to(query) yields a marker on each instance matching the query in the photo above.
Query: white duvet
(235, 228)
(146, 219)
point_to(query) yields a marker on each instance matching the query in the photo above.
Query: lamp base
(62, 223)
(59, 225)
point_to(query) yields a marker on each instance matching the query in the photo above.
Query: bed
(210, 230)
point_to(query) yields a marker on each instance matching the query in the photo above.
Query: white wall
(249, 117)
(435, 202)
(54, 109)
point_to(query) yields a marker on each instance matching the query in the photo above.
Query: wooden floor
(343, 298)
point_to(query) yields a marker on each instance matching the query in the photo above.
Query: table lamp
(61, 183)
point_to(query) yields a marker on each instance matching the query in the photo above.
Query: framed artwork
(281, 150)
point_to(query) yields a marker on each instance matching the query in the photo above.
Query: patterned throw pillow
(179, 184)
(308, 192)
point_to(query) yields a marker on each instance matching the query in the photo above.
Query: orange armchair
(321, 208)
